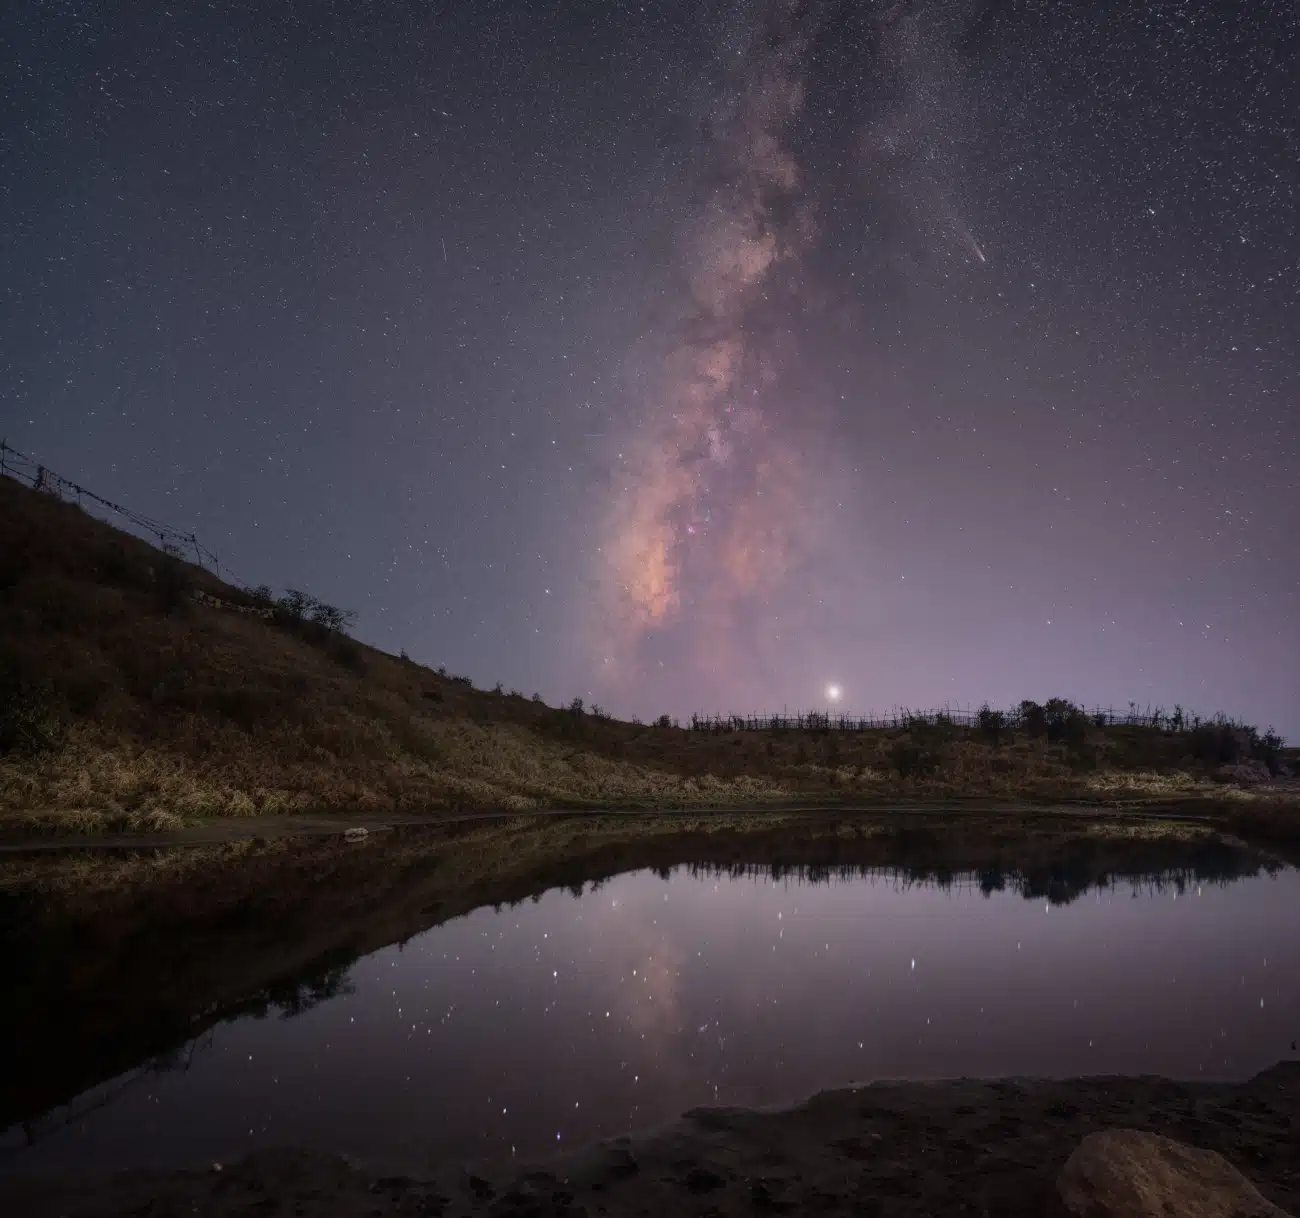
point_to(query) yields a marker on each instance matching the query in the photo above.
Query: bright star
(834, 692)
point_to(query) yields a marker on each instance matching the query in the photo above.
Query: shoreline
(274, 915)
(225, 830)
(901, 1149)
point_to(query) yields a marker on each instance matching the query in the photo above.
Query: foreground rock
(1126, 1173)
(892, 1150)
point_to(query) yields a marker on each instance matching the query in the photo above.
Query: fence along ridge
(22, 468)
(1174, 720)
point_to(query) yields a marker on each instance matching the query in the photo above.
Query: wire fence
(989, 718)
(171, 540)
(181, 544)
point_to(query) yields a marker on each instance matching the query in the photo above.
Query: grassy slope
(160, 709)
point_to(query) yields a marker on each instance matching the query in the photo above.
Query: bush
(332, 617)
(664, 721)
(1268, 749)
(1066, 723)
(991, 724)
(293, 607)
(1033, 718)
(1222, 743)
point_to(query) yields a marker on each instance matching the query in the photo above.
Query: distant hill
(140, 691)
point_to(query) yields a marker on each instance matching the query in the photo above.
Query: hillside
(140, 691)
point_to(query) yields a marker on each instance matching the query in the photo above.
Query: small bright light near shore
(834, 692)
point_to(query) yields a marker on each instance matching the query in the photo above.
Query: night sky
(688, 356)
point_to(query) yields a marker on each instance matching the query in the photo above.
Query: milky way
(712, 489)
(689, 356)
(717, 496)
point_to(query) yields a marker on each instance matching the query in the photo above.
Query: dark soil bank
(889, 1149)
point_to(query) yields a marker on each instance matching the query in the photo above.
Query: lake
(566, 1018)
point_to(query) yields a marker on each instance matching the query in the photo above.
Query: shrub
(576, 707)
(332, 617)
(1268, 749)
(944, 727)
(991, 724)
(663, 721)
(1033, 718)
(1221, 743)
(1066, 723)
(293, 606)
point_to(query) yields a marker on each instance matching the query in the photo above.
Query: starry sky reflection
(563, 1020)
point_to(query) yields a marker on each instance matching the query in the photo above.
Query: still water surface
(566, 1019)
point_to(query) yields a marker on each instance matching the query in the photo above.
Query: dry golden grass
(170, 711)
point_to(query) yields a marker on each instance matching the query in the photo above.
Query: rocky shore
(995, 1149)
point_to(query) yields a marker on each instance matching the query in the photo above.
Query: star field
(565, 1020)
(690, 357)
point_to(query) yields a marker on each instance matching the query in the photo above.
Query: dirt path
(219, 831)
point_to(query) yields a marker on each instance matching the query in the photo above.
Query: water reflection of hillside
(99, 985)
(732, 910)
(1060, 883)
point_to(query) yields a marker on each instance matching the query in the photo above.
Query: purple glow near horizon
(683, 362)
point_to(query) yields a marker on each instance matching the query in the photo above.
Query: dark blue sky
(689, 356)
